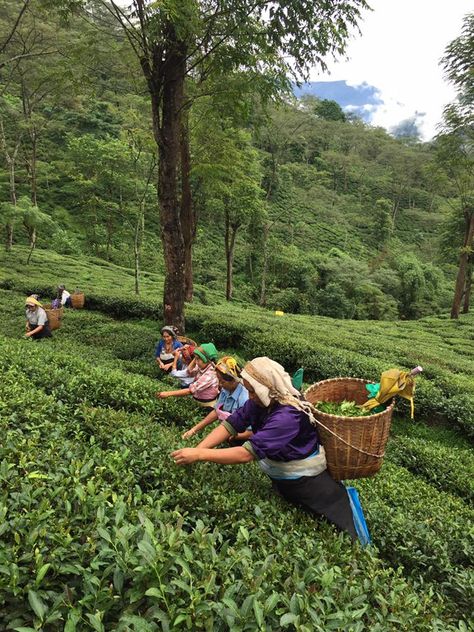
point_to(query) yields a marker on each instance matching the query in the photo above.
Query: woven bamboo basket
(55, 316)
(187, 341)
(355, 446)
(78, 300)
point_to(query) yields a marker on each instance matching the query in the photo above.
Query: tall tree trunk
(33, 168)
(463, 265)
(170, 76)
(467, 288)
(109, 237)
(263, 287)
(9, 226)
(32, 132)
(32, 232)
(12, 180)
(188, 213)
(11, 161)
(9, 239)
(139, 229)
(230, 235)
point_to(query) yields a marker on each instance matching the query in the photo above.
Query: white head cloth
(270, 382)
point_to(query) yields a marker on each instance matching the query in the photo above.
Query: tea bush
(323, 346)
(84, 546)
(73, 380)
(428, 460)
(100, 454)
(99, 530)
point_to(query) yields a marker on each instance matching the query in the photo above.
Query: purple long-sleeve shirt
(281, 433)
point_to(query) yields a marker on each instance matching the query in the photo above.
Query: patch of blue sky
(361, 100)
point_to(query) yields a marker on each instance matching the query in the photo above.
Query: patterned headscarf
(171, 329)
(228, 366)
(271, 382)
(188, 351)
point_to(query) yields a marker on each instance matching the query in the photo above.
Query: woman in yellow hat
(37, 325)
(232, 396)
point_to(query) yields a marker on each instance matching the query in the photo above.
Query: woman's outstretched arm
(224, 456)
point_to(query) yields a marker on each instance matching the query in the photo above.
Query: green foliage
(325, 348)
(332, 301)
(103, 521)
(343, 409)
(329, 110)
(412, 284)
(98, 529)
(64, 243)
(427, 459)
(382, 222)
(323, 176)
(456, 63)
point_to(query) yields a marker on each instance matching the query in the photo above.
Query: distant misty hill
(360, 100)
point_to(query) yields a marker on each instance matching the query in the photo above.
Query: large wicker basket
(55, 316)
(187, 341)
(77, 300)
(355, 446)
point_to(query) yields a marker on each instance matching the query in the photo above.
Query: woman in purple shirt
(284, 442)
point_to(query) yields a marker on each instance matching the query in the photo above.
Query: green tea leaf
(37, 605)
(41, 573)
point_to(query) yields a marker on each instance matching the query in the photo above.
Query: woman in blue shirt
(164, 351)
(233, 395)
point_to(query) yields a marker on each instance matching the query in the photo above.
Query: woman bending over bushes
(284, 442)
(37, 324)
(233, 395)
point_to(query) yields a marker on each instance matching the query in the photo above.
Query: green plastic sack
(297, 379)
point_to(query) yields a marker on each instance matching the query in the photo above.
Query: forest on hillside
(288, 203)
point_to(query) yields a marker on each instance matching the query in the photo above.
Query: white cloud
(398, 52)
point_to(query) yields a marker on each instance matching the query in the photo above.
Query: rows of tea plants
(88, 489)
(327, 348)
(428, 459)
(49, 268)
(101, 531)
(324, 346)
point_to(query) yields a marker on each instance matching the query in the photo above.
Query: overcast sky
(398, 53)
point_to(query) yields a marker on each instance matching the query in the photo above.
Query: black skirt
(321, 495)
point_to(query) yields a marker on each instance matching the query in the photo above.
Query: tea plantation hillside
(100, 531)
(325, 347)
